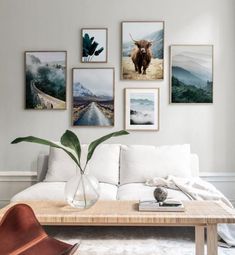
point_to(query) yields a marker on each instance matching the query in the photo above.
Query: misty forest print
(142, 109)
(93, 96)
(142, 50)
(45, 76)
(192, 74)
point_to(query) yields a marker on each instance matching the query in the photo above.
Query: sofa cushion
(140, 191)
(104, 164)
(140, 162)
(55, 191)
(60, 166)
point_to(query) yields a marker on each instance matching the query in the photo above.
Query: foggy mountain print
(192, 77)
(141, 109)
(45, 80)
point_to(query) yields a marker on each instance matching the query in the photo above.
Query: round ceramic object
(160, 194)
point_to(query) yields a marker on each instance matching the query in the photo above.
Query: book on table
(166, 206)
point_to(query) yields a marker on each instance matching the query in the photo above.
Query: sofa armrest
(42, 166)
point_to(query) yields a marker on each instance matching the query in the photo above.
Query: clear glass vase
(82, 191)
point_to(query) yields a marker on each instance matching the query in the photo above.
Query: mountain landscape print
(142, 108)
(142, 50)
(191, 74)
(93, 97)
(45, 77)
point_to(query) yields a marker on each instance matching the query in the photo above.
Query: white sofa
(121, 170)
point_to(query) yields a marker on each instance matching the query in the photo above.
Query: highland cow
(141, 55)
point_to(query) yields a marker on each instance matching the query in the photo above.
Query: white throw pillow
(140, 162)
(104, 164)
(60, 166)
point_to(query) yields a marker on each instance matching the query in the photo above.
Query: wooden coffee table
(203, 215)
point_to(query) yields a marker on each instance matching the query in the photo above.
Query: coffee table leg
(199, 239)
(212, 240)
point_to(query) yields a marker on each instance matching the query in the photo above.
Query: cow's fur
(141, 55)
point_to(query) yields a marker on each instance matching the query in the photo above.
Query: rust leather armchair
(22, 234)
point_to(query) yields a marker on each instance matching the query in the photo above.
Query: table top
(108, 212)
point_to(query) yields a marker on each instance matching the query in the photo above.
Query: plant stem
(81, 170)
(76, 190)
(84, 192)
(92, 57)
(85, 167)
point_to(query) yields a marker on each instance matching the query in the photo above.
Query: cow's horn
(132, 38)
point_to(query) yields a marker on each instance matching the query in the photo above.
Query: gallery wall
(56, 25)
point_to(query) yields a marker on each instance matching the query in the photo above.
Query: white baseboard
(218, 176)
(17, 176)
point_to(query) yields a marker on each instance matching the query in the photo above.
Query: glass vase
(82, 191)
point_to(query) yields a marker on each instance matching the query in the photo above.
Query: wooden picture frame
(142, 109)
(94, 47)
(93, 97)
(45, 80)
(140, 40)
(191, 74)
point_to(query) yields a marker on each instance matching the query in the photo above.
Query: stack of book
(166, 206)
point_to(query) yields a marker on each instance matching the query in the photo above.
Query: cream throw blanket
(197, 189)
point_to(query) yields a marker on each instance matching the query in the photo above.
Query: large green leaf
(97, 52)
(93, 47)
(86, 41)
(33, 139)
(95, 143)
(69, 139)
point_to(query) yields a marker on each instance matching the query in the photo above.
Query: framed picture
(142, 109)
(142, 50)
(191, 74)
(93, 97)
(94, 45)
(45, 79)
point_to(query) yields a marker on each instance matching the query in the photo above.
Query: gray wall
(56, 24)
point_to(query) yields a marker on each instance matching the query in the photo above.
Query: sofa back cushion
(104, 164)
(140, 162)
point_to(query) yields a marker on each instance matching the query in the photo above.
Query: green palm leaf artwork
(91, 45)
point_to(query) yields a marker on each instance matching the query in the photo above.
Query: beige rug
(131, 240)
